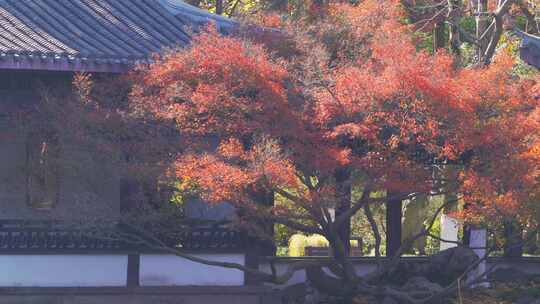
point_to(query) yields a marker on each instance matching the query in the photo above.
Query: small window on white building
(42, 180)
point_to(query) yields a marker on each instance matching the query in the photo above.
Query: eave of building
(65, 64)
(94, 35)
(196, 15)
(530, 49)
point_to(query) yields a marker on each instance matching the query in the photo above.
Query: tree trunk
(513, 233)
(532, 26)
(438, 37)
(532, 236)
(413, 218)
(267, 246)
(481, 26)
(454, 16)
(466, 229)
(219, 7)
(343, 187)
(393, 223)
(259, 247)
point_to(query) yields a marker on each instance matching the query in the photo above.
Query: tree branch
(376, 233)
(464, 34)
(153, 242)
(296, 226)
(392, 263)
(342, 218)
(496, 36)
(531, 20)
(233, 8)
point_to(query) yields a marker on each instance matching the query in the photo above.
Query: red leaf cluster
(370, 102)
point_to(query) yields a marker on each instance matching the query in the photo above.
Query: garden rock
(388, 300)
(442, 268)
(294, 294)
(510, 275)
(312, 294)
(422, 286)
(528, 300)
(447, 265)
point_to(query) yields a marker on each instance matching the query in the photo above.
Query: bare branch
(464, 34)
(342, 218)
(376, 233)
(498, 24)
(153, 242)
(392, 263)
(290, 196)
(233, 8)
(428, 21)
(454, 16)
(458, 243)
(295, 225)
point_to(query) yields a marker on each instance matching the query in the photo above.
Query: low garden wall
(365, 265)
(139, 295)
(116, 270)
(181, 274)
(170, 270)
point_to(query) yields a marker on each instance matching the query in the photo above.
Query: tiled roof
(92, 35)
(57, 237)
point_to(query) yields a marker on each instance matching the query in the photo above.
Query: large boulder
(323, 282)
(442, 268)
(446, 266)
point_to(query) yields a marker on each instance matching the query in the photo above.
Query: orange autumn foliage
(412, 107)
(254, 118)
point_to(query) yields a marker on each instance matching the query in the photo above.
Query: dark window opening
(42, 172)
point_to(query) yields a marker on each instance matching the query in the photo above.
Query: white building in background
(45, 42)
(449, 232)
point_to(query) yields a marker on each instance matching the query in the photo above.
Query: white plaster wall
(63, 270)
(169, 270)
(299, 276)
(363, 268)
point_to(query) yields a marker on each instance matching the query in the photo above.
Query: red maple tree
(254, 118)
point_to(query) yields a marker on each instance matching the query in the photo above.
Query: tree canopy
(342, 87)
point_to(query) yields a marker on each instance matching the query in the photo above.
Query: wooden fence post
(133, 270)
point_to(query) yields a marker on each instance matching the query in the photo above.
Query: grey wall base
(140, 295)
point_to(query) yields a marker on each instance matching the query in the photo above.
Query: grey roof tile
(530, 49)
(90, 34)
